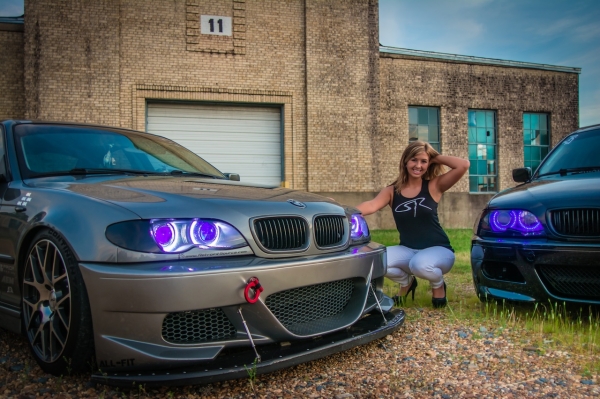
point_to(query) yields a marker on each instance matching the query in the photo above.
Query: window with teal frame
(483, 173)
(424, 125)
(536, 138)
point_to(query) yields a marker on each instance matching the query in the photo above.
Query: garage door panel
(235, 139)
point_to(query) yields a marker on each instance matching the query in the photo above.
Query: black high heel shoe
(440, 302)
(401, 300)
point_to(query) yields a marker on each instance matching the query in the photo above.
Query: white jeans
(429, 264)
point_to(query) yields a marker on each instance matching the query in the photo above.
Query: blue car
(540, 241)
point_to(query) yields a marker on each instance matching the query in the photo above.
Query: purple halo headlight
(165, 235)
(204, 232)
(513, 221)
(180, 235)
(358, 227)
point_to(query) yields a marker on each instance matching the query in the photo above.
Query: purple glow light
(204, 232)
(355, 227)
(163, 234)
(521, 221)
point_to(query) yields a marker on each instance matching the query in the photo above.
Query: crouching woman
(424, 250)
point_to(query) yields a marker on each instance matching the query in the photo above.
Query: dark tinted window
(48, 149)
(578, 150)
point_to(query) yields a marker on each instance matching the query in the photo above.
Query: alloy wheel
(46, 301)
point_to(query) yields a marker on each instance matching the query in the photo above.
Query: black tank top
(417, 220)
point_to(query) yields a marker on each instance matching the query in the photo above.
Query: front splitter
(239, 363)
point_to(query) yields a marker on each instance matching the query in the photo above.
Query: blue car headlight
(511, 223)
(174, 235)
(359, 230)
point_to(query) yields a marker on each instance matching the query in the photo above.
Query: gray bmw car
(125, 253)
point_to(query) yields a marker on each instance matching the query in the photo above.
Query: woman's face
(417, 165)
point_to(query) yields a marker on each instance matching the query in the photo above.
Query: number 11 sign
(215, 25)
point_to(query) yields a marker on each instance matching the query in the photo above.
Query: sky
(555, 32)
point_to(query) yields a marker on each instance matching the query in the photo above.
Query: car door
(8, 218)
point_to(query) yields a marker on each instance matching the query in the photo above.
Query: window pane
(489, 119)
(491, 167)
(433, 116)
(491, 137)
(472, 151)
(423, 116)
(412, 116)
(436, 146)
(481, 153)
(472, 135)
(412, 132)
(472, 119)
(473, 184)
(473, 168)
(535, 137)
(543, 152)
(543, 122)
(526, 123)
(535, 154)
(433, 133)
(492, 183)
(482, 167)
(423, 132)
(491, 152)
(481, 135)
(480, 119)
(543, 137)
(535, 121)
(527, 153)
(527, 137)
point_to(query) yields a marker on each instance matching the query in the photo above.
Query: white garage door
(235, 139)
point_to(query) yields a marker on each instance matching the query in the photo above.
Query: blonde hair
(414, 148)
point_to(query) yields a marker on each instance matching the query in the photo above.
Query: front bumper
(188, 314)
(238, 364)
(536, 270)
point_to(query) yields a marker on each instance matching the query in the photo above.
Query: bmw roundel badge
(296, 203)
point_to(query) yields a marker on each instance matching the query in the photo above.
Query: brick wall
(12, 100)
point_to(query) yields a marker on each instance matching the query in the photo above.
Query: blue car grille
(299, 306)
(197, 326)
(329, 230)
(575, 282)
(584, 223)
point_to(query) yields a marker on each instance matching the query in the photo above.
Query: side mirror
(521, 175)
(232, 176)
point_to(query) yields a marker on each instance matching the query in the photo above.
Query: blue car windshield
(45, 150)
(579, 152)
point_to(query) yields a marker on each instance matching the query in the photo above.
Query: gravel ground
(431, 356)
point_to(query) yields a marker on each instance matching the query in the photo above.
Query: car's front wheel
(56, 312)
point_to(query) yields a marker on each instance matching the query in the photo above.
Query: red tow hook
(252, 288)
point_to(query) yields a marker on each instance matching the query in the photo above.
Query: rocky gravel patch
(431, 356)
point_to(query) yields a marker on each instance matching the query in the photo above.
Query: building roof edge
(476, 60)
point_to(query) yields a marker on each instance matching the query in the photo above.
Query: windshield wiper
(563, 172)
(177, 172)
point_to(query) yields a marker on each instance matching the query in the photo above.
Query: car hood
(571, 191)
(186, 197)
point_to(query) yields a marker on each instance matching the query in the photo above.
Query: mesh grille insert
(282, 233)
(329, 230)
(306, 304)
(571, 281)
(576, 222)
(197, 326)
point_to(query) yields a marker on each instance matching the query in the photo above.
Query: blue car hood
(573, 191)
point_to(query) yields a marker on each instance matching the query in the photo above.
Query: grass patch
(550, 326)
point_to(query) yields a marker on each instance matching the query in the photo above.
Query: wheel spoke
(46, 301)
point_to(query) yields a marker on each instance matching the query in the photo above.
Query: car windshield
(45, 150)
(577, 153)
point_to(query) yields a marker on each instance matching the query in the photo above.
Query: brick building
(293, 92)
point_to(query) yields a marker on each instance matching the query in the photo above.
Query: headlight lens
(174, 235)
(511, 222)
(359, 230)
(181, 235)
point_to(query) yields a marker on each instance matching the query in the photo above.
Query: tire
(56, 313)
